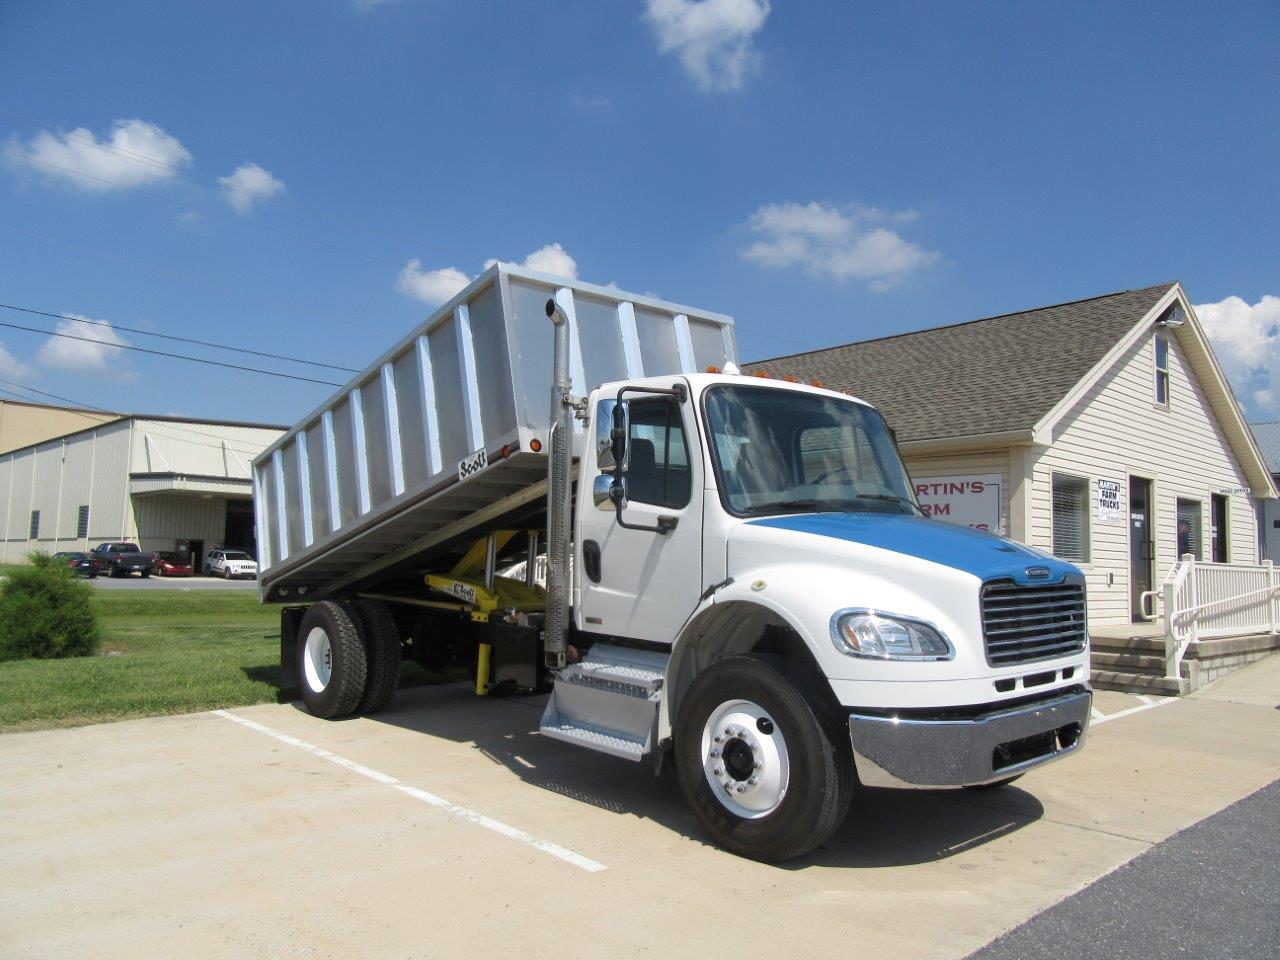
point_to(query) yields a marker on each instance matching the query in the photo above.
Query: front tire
(756, 764)
(331, 660)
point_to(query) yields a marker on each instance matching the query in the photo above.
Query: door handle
(591, 560)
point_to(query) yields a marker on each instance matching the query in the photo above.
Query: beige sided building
(23, 423)
(165, 483)
(1101, 430)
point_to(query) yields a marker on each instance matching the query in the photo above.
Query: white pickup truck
(738, 578)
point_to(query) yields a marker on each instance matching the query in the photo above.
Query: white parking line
(1149, 704)
(546, 846)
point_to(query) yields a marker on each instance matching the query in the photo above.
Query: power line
(172, 356)
(169, 336)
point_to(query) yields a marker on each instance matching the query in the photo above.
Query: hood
(984, 555)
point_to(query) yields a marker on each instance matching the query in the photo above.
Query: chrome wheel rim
(744, 758)
(317, 660)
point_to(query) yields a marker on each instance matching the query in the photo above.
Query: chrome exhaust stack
(559, 494)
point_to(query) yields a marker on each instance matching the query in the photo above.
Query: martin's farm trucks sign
(970, 501)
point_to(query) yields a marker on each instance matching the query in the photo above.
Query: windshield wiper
(890, 498)
(821, 506)
(827, 505)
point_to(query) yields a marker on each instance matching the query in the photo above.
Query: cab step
(608, 701)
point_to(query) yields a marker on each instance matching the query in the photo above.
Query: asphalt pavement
(1212, 890)
(171, 583)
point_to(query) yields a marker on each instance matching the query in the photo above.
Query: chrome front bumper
(920, 753)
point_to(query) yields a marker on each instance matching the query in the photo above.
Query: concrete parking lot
(448, 827)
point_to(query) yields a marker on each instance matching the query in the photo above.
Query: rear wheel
(146, 574)
(382, 653)
(331, 660)
(755, 763)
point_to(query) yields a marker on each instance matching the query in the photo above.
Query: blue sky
(304, 177)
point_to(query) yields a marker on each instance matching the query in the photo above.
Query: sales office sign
(969, 501)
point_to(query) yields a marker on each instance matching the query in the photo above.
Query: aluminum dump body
(408, 456)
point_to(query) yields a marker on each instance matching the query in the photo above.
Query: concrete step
(1144, 663)
(1127, 682)
(1127, 644)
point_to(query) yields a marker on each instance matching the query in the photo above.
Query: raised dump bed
(445, 436)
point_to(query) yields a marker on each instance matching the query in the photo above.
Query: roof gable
(997, 375)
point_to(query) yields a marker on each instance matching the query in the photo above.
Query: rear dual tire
(348, 658)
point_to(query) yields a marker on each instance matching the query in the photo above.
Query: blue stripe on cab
(982, 554)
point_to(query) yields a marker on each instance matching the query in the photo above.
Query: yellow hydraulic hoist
(465, 583)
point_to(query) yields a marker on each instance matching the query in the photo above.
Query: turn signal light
(713, 369)
(763, 375)
(816, 383)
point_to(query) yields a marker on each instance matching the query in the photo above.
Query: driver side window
(657, 456)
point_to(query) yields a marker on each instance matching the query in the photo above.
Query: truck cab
(758, 544)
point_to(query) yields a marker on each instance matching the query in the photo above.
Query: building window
(1071, 517)
(35, 525)
(1218, 529)
(82, 522)
(1162, 370)
(1189, 529)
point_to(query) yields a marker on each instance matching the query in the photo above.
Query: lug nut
(758, 764)
(715, 753)
(753, 781)
(719, 771)
(742, 788)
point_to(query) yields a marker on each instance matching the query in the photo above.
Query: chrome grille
(1025, 623)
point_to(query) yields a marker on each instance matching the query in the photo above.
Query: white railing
(1206, 600)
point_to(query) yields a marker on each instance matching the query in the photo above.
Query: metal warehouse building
(1101, 430)
(165, 483)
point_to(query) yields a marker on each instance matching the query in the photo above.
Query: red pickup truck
(122, 559)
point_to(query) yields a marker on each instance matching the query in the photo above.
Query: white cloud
(842, 243)
(430, 286)
(135, 154)
(247, 185)
(1246, 339)
(437, 286)
(714, 39)
(552, 259)
(95, 353)
(11, 366)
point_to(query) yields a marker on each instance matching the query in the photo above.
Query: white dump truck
(728, 573)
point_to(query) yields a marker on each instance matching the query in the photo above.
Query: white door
(642, 584)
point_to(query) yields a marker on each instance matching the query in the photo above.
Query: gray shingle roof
(984, 376)
(1267, 434)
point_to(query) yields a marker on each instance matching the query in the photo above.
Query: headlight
(879, 636)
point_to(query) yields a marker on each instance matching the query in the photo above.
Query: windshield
(778, 451)
(236, 555)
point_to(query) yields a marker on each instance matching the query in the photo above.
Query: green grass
(163, 652)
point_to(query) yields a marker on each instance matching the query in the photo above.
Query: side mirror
(602, 492)
(618, 437)
(607, 446)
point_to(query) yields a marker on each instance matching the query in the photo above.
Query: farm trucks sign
(969, 501)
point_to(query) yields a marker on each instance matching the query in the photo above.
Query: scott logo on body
(1037, 573)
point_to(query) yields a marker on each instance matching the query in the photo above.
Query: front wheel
(146, 574)
(755, 763)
